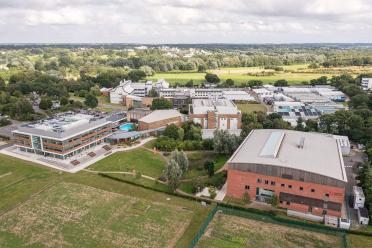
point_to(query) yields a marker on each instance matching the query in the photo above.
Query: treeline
(73, 60)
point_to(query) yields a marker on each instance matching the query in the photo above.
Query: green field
(75, 215)
(19, 179)
(23, 199)
(140, 160)
(235, 232)
(251, 107)
(294, 74)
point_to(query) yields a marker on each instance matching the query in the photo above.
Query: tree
(212, 78)
(181, 158)
(209, 166)
(147, 70)
(360, 100)
(63, 100)
(224, 142)
(153, 93)
(161, 103)
(229, 82)
(45, 103)
(173, 173)
(2, 84)
(281, 83)
(300, 124)
(201, 68)
(171, 131)
(95, 91)
(255, 83)
(91, 101)
(190, 84)
(136, 75)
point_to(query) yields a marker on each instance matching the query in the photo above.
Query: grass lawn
(251, 107)
(197, 160)
(81, 216)
(140, 159)
(58, 210)
(20, 179)
(235, 232)
(356, 241)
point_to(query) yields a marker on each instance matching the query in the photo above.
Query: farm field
(235, 232)
(140, 160)
(251, 107)
(80, 216)
(294, 74)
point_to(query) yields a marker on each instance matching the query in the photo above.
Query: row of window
(272, 183)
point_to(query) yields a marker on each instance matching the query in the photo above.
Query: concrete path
(221, 193)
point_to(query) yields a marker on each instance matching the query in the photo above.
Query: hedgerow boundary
(257, 214)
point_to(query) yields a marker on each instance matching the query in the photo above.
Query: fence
(269, 218)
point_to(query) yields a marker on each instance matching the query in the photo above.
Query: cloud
(186, 21)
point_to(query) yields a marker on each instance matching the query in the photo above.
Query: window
(326, 194)
(246, 186)
(258, 180)
(312, 190)
(301, 188)
(273, 183)
(288, 203)
(266, 181)
(289, 186)
(281, 202)
(283, 185)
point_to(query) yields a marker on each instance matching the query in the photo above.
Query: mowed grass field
(251, 107)
(19, 179)
(140, 160)
(40, 207)
(294, 74)
(68, 214)
(235, 232)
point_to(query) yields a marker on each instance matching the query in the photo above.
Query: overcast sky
(185, 21)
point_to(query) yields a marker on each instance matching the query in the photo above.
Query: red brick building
(305, 171)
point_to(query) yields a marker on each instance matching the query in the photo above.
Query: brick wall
(238, 181)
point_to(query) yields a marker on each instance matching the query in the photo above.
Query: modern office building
(66, 134)
(303, 171)
(215, 114)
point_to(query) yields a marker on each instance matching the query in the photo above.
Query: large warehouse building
(303, 171)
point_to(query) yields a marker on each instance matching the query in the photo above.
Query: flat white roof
(320, 154)
(222, 106)
(159, 115)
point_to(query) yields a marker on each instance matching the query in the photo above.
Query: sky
(185, 21)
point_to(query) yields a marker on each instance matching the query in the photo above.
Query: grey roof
(159, 115)
(320, 154)
(58, 128)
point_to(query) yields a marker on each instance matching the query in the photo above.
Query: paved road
(7, 130)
